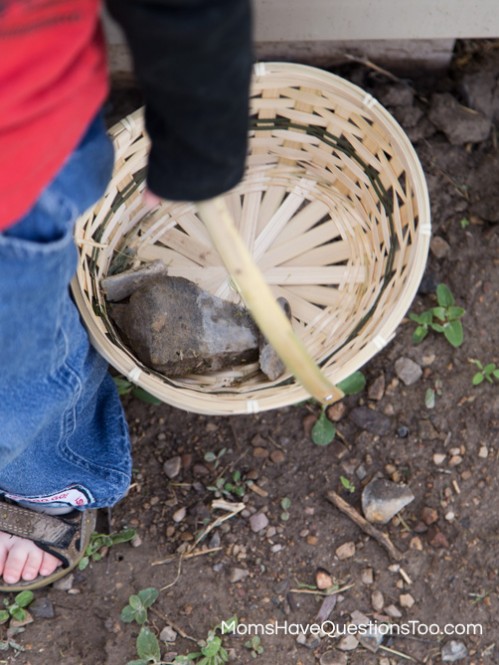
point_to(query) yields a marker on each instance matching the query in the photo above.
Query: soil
(450, 564)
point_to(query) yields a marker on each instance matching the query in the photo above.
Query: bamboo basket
(333, 208)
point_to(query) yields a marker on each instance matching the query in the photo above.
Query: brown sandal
(65, 537)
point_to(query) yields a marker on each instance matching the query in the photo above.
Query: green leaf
(478, 379)
(228, 626)
(437, 327)
(138, 662)
(286, 503)
(144, 396)
(444, 296)
(148, 596)
(353, 384)
(83, 563)
(141, 615)
(496, 373)
(24, 598)
(124, 536)
(489, 368)
(148, 645)
(135, 601)
(127, 614)
(4, 616)
(123, 385)
(285, 516)
(464, 222)
(18, 613)
(347, 484)
(323, 431)
(419, 334)
(454, 313)
(440, 313)
(212, 647)
(210, 457)
(453, 332)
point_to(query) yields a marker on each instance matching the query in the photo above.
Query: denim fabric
(63, 436)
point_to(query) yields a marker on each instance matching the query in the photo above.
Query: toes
(48, 564)
(14, 565)
(33, 563)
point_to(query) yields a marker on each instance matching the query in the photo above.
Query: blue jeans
(63, 435)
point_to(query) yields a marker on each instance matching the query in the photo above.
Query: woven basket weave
(334, 209)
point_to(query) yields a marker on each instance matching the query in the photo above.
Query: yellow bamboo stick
(261, 303)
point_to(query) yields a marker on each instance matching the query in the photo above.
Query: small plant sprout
(324, 431)
(464, 222)
(488, 372)
(126, 387)
(212, 651)
(347, 484)
(445, 319)
(17, 609)
(214, 458)
(101, 542)
(232, 487)
(285, 505)
(138, 604)
(255, 646)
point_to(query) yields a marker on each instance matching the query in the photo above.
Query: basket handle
(261, 303)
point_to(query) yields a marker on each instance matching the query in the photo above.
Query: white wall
(308, 20)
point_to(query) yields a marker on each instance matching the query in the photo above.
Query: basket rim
(261, 399)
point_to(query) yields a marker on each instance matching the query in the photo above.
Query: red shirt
(53, 80)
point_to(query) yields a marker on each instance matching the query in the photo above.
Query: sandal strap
(45, 529)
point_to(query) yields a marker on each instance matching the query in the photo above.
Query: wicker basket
(334, 209)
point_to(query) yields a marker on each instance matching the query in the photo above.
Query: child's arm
(193, 62)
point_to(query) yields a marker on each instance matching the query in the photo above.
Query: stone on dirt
(346, 550)
(168, 634)
(238, 574)
(371, 421)
(258, 522)
(332, 657)
(460, 124)
(348, 643)
(408, 371)
(177, 328)
(172, 466)
(382, 499)
(453, 651)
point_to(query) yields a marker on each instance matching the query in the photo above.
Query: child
(64, 446)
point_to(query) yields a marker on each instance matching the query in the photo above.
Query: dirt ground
(449, 533)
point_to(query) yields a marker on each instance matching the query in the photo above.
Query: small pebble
(393, 612)
(346, 550)
(455, 460)
(271, 532)
(276, 548)
(416, 544)
(260, 453)
(403, 432)
(277, 457)
(168, 634)
(312, 540)
(406, 600)
(439, 247)
(408, 371)
(332, 657)
(367, 576)
(323, 579)
(450, 516)
(64, 584)
(238, 574)
(453, 651)
(179, 514)
(377, 601)
(136, 541)
(172, 467)
(348, 643)
(439, 458)
(429, 515)
(258, 522)
(42, 608)
(336, 411)
(483, 452)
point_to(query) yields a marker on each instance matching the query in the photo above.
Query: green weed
(488, 372)
(101, 542)
(444, 319)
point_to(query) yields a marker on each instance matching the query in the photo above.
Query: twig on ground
(397, 653)
(368, 528)
(175, 626)
(372, 65)
(326, 592)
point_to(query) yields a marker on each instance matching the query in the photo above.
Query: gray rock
(371, 421)
(172, 466)
(408, 116)
(65, 584)
(376, 389)
(258, 522)
(396, 94)
(459, 123)
(270, 363)
(177, 328)
(121, 286)
(440, 248)
(478, 89)
(373, 638)
(42, 608)
(348, 643)
(408, 371)
(168, 634)
(332, 657)
(382, 499)
(238, 574)
(453, 651)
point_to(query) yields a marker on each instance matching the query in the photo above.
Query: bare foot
(22, 559)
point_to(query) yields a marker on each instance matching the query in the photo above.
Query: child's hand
(150, 199)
